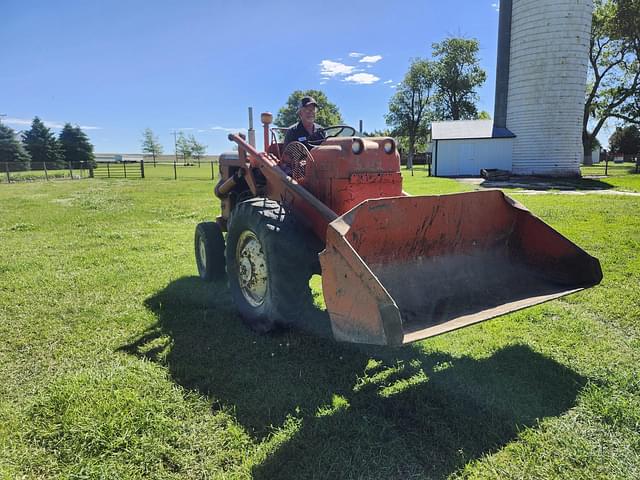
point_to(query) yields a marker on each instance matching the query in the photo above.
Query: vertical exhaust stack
(251, 132)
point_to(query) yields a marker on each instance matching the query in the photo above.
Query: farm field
(118, 362)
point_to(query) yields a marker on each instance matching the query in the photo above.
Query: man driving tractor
(306, 129)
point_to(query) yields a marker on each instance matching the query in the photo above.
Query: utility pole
(175, 161)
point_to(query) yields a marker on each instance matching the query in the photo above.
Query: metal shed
(464, 147)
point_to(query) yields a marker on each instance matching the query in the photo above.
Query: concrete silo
(543, 52)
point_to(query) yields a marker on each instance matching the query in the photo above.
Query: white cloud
(47, 123)
(15, 121)
(496, 6)
(388, 81)
(371, 59)
(362, 78)
(356, 55)
(331, 69)
(227, 129)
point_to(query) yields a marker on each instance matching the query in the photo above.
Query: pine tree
(12, 151)
(75, 146)
(42, 145)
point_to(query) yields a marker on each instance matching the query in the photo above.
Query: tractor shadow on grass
(352, 412)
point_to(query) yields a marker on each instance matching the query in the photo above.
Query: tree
(410, 108)
(42, 145)
(11, 150)
(151, 144)
(197, 148)
(613, 81)
(183, 147)
(457, 76)
(75, 146)
(378, 133)
(484, 115)
(328, 113)
(625, 140)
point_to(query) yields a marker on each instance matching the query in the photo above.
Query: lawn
(118, 362)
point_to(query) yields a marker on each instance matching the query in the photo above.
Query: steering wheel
(332, 132)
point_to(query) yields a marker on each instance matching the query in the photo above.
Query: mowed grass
(118, 362)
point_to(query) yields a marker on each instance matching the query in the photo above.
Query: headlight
(389, 146)
(357, 147)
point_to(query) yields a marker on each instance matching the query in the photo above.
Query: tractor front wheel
(209, 250)
(269, 264)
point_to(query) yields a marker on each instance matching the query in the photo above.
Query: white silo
(543, 51)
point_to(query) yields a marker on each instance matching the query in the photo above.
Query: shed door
(466, 159)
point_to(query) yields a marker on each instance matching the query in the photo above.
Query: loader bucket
(396, 270)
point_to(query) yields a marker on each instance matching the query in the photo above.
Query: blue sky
(117, 67)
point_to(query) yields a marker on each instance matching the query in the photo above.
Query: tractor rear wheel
(209, 250)
(269, 264)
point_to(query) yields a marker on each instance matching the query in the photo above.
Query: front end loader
(395, 268)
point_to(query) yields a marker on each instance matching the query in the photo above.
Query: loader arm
(279, 187)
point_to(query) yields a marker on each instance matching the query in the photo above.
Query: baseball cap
(304, 101)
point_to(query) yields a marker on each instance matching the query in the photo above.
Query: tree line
(613, 82)
(39, 145)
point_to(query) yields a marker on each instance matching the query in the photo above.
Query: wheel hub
(252, 268)
(202, 251)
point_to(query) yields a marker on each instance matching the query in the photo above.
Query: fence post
(70, 171)
(90, 169)
(46, 174)
(6, 167)
(175, 171)
(124, 166)
(606, 166)
(108, 171)
(142, 168)
(211, 169)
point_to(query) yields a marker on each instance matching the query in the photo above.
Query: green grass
(118, 362)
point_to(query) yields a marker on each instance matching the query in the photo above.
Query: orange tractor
(395, 268)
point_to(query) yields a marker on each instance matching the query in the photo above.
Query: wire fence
(190, 170)
(11, 172)
(33, 171)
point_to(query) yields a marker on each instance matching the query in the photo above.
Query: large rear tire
(209, 250)
(269, 264)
